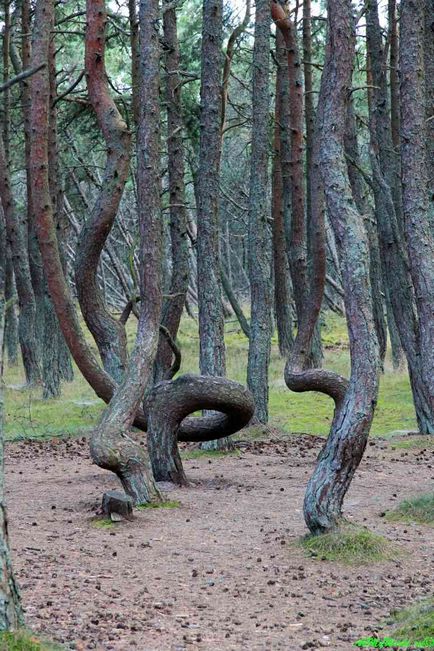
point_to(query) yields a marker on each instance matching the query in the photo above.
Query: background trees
(286, 186)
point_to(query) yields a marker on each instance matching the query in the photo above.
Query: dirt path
(222, 571)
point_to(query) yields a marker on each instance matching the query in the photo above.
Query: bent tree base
(167, 406)
(120, 454)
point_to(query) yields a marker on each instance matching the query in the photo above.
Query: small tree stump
(117, 506)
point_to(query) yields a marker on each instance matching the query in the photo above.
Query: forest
(216, 325)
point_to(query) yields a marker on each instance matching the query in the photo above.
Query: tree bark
(346, 443)
(211, 321)
(282, 296)
(419, 234)
(174, 305)
(429, 100)
(11, 615)
(108, 333)
(17, 240)
(169, 403)
(259, 232)
(392, 249)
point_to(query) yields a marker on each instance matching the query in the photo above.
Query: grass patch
(168, 504)
(351, 545)
(24, 641)
(415, 623)
(198, 454)
(417, 509)
(102, 523)
(414, 442)
(78, 410)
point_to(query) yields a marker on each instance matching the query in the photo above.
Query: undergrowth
(418, 509)
(415, 623)
(350, 544)
(24, 641)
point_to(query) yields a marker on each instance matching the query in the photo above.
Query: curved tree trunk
(108, 333)
(259, 232)
(345, 445)
(111, 446)
(169, 403)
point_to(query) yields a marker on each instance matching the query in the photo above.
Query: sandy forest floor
(223, 571)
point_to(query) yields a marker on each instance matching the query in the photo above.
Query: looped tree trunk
(168, 404)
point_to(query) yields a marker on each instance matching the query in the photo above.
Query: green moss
(24, 641)
(415, 623)
(417, 509)
(350, 545)
(168, 504)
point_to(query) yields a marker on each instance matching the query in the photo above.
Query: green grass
(415, 623)
(198, 454)
(78, 409)
(418, 509)
(102, 523)
(168, 504)
(24, 641)
(414, 442)
(351, 545)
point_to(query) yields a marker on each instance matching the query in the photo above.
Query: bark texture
(11, 616)
(174, 304)
(346, 443)
(108, 333)
(259, 232)
(17, 241)
(282, 295)
(211, 320)
(111, 446)
(419, 234)
(169, 403)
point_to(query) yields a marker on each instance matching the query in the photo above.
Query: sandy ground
(220, 572)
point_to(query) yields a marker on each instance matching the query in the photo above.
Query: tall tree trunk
(56, 361)
(359, 194)
(11, 319)
(173, 305)
(429, 100)
(346, 443)
(17, 240)
(108, 333)
(211, 317)
(259, 230)
(392, 249)
(11, 616)
(419, 234)
(282, 296)
(292, 149)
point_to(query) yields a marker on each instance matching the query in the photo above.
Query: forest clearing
(216, 324)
